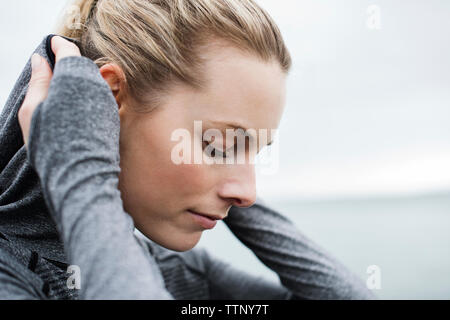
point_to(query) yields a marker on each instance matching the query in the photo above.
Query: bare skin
(156, 192)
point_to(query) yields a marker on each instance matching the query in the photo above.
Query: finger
(41, 75)
(63, 48)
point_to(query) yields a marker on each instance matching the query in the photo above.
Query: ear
(115, 77)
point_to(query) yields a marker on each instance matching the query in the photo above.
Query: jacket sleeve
(227, 282)
(74, 148)
(305, 270)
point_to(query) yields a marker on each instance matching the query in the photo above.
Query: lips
(206, 221)
(212, 217)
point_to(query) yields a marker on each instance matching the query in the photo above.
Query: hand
(41, 76)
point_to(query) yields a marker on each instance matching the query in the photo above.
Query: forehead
(242, 87)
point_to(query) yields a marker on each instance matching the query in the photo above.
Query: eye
(209, 149)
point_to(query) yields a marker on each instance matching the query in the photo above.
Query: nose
(239, 187)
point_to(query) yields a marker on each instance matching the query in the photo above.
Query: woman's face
(159, 194)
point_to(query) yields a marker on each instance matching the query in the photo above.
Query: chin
(180, 243)
(181, 247)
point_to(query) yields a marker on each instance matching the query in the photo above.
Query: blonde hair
(155, 41)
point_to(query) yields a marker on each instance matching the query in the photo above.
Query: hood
(24, 216)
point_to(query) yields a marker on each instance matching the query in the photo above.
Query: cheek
(172, 180)
(151, 179)
(189, 179)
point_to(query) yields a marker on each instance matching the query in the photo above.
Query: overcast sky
(367, 110)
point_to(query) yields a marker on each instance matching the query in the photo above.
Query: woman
(98, 159)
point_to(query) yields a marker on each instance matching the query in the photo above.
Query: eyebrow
(237, 126)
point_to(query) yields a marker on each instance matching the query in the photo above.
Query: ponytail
(76, 17)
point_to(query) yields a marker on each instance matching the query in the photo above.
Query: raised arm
(74, 147)
(304, 269)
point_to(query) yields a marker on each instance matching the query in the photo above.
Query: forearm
(303, 267)
(73, 146)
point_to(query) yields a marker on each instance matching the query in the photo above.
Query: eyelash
(213, 152)
(222, 154)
